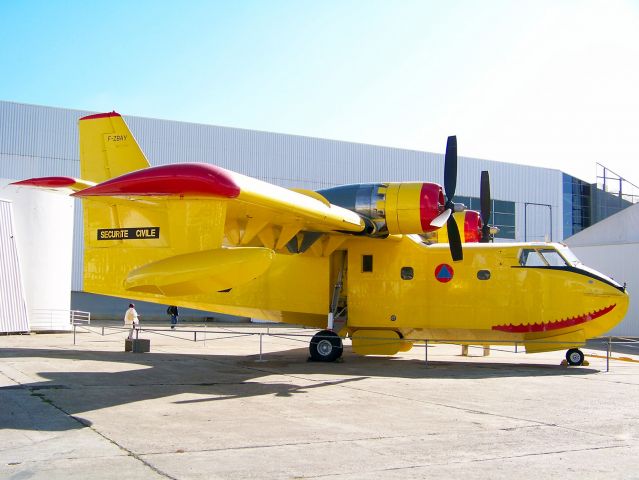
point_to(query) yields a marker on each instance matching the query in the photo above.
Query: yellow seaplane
(386, 265)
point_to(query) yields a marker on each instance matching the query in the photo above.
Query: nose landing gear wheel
(575, 357)
(325, 346)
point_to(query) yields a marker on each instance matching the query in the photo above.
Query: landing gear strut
(575, 357)
(326, 346)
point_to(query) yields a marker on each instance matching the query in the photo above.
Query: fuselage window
(483, 275)
(367, 263)
(407, 273)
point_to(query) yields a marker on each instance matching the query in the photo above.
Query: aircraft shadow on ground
(224, 377)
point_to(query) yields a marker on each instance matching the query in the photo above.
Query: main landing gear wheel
(325, 346)
(575, 357)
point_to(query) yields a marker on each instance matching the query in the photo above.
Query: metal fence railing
(51, 319)
(304, 335)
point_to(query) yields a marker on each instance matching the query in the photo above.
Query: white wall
(44, 233)
(620, 262)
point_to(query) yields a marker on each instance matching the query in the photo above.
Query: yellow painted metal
(254, 225)
(286, 207)
(312, 194)
(548, 343)
(403, 207)
(441, 235)
(297, 287)
(467, 308)
(108, 149)
(286, 234)
(203, 272)
(378, 342)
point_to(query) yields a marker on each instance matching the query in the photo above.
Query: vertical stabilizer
(107, 148)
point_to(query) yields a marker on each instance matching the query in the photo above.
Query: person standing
(173, 312)
(132, 319)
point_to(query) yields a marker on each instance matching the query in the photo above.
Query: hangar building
(611, 246)
(529, 203)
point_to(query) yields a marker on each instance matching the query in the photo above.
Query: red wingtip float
(187, 179)
(47, 182)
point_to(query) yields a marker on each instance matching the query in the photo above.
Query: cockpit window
(531, 258)
(544, 257)
(553, 258)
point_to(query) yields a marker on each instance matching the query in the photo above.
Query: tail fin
(107, 148)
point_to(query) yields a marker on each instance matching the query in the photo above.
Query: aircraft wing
(253, 208)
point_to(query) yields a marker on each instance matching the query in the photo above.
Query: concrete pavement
(209, 409)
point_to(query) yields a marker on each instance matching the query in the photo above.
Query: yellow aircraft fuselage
(399, 289)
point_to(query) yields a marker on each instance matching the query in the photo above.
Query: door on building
(538, 223)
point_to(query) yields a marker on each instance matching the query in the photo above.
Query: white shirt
(131, 317)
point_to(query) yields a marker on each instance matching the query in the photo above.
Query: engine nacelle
(469, 224)
(392, 208)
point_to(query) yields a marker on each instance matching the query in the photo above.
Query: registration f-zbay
(385, 264)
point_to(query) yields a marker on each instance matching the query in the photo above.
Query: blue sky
(547, 83)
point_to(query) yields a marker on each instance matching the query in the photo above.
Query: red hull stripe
(47, 182)
(184, 179)
(545, 327)
(101, 115)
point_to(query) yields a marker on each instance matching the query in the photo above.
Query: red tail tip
(102, 115)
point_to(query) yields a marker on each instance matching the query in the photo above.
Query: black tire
(575, 357)
(325, 346)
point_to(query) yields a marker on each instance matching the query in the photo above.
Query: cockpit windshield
(570, 257)
(559, 256)
(541, 257)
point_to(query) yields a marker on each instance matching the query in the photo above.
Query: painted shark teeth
(554, 325)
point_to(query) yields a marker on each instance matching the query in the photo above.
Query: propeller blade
(454, 240)
(440, 220)
(450, 168)
(484, 193)
(485, 200)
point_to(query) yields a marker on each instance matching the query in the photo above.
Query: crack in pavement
(467, 462)
(87, 424)
(439, 404)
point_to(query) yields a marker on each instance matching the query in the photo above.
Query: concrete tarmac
(209, 409)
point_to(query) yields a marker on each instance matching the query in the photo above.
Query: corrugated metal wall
(13, 314)
(42, 141)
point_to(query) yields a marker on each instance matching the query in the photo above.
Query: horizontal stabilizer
(203, 272)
